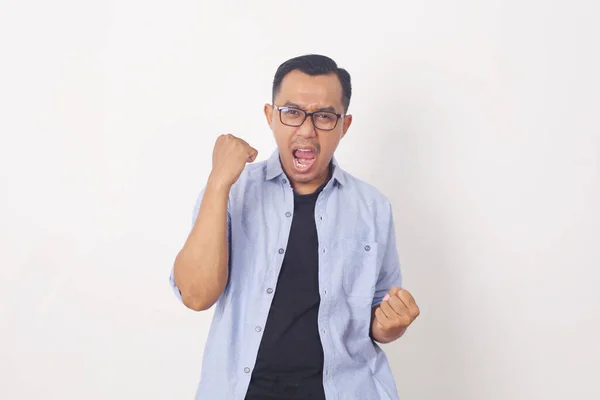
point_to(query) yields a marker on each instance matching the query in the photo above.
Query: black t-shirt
(290, 357)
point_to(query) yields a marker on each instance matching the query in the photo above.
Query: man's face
(306, 151)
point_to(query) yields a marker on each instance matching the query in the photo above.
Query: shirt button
(288, 214)
(269, 290)
(258, 329)
(246, 370)
(281, 251)
(284, 181)
(367, 247)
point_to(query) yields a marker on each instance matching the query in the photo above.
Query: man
(299, 257)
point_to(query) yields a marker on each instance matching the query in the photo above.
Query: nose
(307, 129)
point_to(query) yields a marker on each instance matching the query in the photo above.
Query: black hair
(315, 64)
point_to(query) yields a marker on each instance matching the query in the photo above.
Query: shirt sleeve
(194, 217)
(389, 273)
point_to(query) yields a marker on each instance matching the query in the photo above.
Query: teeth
(300, 164)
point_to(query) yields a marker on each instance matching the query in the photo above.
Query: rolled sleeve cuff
(174, 285)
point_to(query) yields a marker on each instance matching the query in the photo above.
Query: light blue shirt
(358, 264)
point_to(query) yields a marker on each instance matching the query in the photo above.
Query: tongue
(304, 154)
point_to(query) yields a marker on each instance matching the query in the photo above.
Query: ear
(269, 114)
(347, 123)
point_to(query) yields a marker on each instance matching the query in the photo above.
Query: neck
(312, 186)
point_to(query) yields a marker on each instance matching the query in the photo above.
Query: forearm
(201, 267)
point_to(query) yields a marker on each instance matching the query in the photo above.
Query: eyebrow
(328, 108)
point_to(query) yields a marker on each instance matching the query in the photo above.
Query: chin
(303, 178)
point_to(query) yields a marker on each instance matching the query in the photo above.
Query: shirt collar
(275, 170)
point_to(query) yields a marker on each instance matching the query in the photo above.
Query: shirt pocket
(359, 274)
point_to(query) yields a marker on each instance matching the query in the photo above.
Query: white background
(478, 119)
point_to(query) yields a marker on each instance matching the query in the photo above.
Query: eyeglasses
(322, 120)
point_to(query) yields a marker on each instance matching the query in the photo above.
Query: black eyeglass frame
(306, 115)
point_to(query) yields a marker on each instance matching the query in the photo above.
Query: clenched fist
(230, 156)
(395, 313)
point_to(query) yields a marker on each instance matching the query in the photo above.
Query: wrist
(217, 184)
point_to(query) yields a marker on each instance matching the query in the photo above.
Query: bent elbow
(196, 304)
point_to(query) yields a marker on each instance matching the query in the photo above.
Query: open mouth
(304, 158)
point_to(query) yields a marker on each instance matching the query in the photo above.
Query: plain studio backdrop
(478, 119)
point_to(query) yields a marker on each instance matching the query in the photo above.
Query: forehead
(307, 90)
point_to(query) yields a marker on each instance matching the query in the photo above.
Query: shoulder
(250, 182)
(253, 172)
(359, 190)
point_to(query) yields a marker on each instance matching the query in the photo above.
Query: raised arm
(201, 267)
